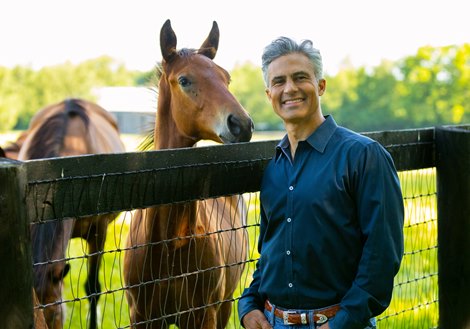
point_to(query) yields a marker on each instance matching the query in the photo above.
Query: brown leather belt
(292, 317)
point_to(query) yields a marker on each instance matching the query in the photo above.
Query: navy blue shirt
(331, 228)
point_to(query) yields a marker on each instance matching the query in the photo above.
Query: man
(331, 231)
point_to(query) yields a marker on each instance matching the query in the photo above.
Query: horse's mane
(148, 142)
(47, 141)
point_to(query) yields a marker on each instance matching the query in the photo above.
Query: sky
(359, 32)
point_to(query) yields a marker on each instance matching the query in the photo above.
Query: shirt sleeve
(380, 213)
(251, 299)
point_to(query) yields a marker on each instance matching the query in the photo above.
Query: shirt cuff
(246, 305)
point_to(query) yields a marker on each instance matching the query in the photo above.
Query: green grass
(112, 306)
(415, 298)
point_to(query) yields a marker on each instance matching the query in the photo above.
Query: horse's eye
(184, 82)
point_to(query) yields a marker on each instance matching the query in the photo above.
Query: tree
(24, 91)
(248, 86)
(366, 97)
(434, 85)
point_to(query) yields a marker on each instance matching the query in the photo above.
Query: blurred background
(389, 64)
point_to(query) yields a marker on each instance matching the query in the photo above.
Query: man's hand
(255, 320)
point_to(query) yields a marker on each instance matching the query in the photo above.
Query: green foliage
(9, 100)
(426, 89)
(248, 86)
(361, 99)
(24, 91)
(434, 85)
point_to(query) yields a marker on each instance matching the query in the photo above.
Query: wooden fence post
(16, 307)
(453, 203)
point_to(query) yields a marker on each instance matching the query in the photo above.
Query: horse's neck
(166, 133)
(168, 137)
(177, 220)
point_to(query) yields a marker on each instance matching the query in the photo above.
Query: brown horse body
(181, 268)
(71, 127)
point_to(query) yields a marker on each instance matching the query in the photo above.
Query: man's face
(293, 89)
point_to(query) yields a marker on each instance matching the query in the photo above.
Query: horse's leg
(96, 238)
(223, 315)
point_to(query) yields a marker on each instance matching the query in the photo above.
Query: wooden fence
(51, 189)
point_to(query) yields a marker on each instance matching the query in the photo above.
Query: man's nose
(290, 86)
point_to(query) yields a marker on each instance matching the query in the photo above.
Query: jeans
(278, 323)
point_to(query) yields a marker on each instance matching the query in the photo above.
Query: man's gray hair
(284, 46)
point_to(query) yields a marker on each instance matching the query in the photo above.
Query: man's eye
(184, 82)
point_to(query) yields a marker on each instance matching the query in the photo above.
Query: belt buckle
(285, 317)
(321, 318)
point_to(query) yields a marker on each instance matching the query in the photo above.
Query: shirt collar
(318, 139)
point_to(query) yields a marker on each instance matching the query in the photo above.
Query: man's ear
(321, 87)
(268, 93)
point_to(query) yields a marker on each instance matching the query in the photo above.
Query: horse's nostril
(240, 129)
(234, 125)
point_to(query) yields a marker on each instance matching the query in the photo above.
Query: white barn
(134, 107)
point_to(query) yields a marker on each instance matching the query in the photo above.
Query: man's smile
(293, 101)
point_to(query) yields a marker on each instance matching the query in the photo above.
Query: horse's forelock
(186, 52)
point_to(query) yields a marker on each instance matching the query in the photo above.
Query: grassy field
(415, 300)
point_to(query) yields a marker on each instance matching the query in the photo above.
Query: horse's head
(48, 285)
(49, 242)
(194, 100)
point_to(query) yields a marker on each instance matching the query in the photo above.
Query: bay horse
(168, 244)
(68, 128)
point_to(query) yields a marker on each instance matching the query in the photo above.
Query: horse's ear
(66, 270)
(209, 47)
(2, 153)
(59, 273)
(167, 41)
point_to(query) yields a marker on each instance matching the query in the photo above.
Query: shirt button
(290, 285)
(291, 188)
(289, 220)
(288, 252)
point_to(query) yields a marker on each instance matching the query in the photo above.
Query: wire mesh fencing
(414, 303)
